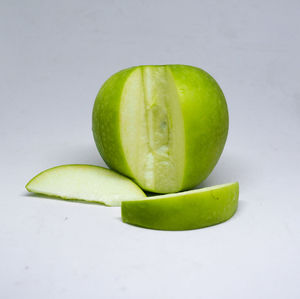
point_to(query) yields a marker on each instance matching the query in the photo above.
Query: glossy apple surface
(86, 183)
(184, 210)
(163, 126)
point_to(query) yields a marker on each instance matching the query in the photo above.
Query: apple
(85, 183)
(184, 210)
(164, 126)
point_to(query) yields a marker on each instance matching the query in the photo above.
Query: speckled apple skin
(106, 120)
(205, 118)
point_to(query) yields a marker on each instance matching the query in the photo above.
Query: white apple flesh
(85, 183)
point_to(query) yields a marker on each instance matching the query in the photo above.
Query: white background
(55, 55)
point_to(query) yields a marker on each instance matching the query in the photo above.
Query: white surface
(55, 55)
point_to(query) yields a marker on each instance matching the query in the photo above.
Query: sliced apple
(85, 183)
(164, 126)
(184, 210)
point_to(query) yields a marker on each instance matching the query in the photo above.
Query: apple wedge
(185, 210)
(85, 183)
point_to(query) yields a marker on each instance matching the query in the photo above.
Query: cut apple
(153, 139)
(184, 210)
(85, 183)
(164, 126)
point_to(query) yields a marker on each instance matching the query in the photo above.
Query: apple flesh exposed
(163, 126)
(85, 183)
(184, 210)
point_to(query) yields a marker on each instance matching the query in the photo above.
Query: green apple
(164, 126)
(85, 183)
(184, 210)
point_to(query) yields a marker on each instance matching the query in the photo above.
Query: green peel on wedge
(184, 210)
(85, 183)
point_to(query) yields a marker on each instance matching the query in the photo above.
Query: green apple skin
(203, 118)
(106, 120)
(184, 210)
(85, 183)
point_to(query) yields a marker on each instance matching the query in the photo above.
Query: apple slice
(184, 210)
(85, 183)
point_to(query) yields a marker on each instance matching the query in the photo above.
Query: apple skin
(105, 122)
(184, 210)
(205, 115)
(205, 119)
